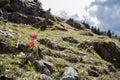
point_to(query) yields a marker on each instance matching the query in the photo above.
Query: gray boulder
(6, 34)
(107, 50)
(51, 44)
(69, 74)
(27, 8)
(74, 23)
(24, 12)
(17, 18)
(49, 65)
(1, 14)
(70, 39)
(18, 4)
(45, 77)
(44, 67)
(67, 78)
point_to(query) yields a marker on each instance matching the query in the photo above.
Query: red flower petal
(34, 35)
(31, 43)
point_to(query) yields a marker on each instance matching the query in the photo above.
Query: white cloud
(107, 14)
(70, 6)
(102, 13)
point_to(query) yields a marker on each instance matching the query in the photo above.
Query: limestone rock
(51, 44)
(74, 24)
(6, 34)
(17, 17)
(107, 50)
(45, 77)
(49, 65)
(87, 33)
(69, 74)
(43, 66)
(28, 57)
(70, 39)
(26, 8)
(24, 12)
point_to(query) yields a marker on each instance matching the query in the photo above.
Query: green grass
(60, 59)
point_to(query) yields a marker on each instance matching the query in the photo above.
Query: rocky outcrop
(37, 54)
(22, 18)
(44, 67)
(106, 49)
(70, 39)
(22, 12)
(51, 44)
(29, 12)
(27, 8)
(17, 17)
(96, 71)
(87, 33)
(69, 74)
(74, 23)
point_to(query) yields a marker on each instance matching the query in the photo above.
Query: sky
(101, 13)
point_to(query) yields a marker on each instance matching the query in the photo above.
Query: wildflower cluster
(32, 40)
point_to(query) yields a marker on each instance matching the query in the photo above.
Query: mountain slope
(63, 45)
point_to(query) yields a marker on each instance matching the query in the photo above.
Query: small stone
(41, 67)
(28, 57)
(45, 77)
(49, 65)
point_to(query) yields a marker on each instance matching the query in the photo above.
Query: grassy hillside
(87, 62)
(61, 44)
